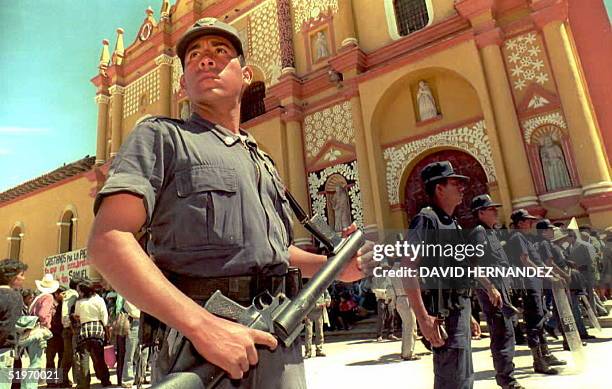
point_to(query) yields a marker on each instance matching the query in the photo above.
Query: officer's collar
(442, 215)
(480, 223)
(224, 135)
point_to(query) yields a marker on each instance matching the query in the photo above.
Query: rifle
(277, 315)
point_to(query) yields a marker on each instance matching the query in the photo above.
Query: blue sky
(50, 50)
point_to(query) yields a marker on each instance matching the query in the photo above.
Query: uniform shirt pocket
(210, 209)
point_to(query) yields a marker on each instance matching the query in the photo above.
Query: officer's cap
(544, 224)
(208, 26)
(438, 170)
(521, 214)
(483, 201)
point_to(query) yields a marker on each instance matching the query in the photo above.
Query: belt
(241, 289)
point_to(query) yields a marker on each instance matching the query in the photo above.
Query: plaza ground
(368, 364)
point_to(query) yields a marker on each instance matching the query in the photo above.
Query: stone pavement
(367, 364)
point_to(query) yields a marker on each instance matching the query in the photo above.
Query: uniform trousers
(453, 367)
(502, 339)
(282, 368)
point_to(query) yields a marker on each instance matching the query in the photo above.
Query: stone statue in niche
(342, 208)
(320, 44)
(426, 102)
(553, 164)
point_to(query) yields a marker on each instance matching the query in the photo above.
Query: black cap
(438, 170)
(483, 201)
(521, 214)
(208, 26)
(544, 224)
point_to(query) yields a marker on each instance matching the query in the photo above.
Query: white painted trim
(561, 194)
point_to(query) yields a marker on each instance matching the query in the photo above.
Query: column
(296, 174)
(165, 84)
(116, 97)
(514, 157)
(374, 212)
(283, 10)
(102, 102)
(344, 23)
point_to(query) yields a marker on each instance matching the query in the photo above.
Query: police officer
(523, 253)
(494, 298)
(217, 218)
(442, 299)
(554, 256)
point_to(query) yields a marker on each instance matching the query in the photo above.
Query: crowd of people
(65, 328)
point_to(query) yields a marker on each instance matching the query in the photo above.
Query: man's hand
(230, 346)
(363, 263)
(430, 328)
(475, 327)
(495, 297)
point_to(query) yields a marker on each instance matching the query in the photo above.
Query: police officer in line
(523, 252)
(550, 247)
(443, 309)
(217, 216)
(494, 297)
(552, 257)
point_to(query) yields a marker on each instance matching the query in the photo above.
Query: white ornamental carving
(147, 84)
(526, 61)
(531, 124)
(264, 46)
(333, 123)
(177, 72)
(472, 139)
(316, 184)
(537, 102)
(305, 10)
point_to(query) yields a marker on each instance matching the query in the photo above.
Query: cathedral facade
(353, 98)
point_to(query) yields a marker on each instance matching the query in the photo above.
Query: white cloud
(5, 152)
(21, 130)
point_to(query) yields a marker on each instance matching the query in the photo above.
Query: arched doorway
(414, 191)
(252, 103)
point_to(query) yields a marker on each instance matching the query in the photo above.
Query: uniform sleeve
(478, 237)
(139, 166)
(418, 230)
(545, 250)
(558, 256)
(517, 246)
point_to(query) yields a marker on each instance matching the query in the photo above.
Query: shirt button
(229, 140)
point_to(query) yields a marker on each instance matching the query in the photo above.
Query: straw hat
(558, 234)
(47, 284)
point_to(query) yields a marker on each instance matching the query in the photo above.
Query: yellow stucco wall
(39, 215)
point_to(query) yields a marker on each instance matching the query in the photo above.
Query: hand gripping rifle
(277, 315)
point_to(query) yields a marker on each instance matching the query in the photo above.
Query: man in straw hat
(217, 215)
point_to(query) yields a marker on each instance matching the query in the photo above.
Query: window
(66, 230)
(407, 16)
(15, 243)
(253, 101)
(410, 15)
